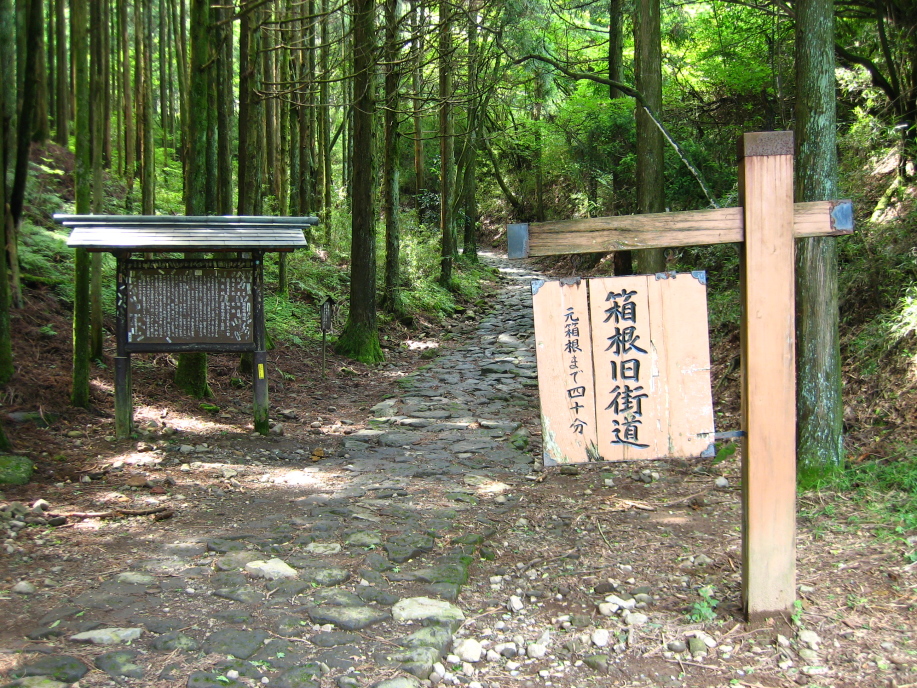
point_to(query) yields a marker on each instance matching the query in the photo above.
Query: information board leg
(261, 406)
(768, 377)
(124, 404)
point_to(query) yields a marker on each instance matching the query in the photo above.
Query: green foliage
(704, 610)
(885, 489)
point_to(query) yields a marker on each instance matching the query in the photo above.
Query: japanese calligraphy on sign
(641, 343)
(174, 306)
(568, 414)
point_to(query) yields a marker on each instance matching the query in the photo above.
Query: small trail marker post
(178, 305)
(766, 226)
(326, 311)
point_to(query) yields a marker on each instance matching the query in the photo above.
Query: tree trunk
(145, 106)
(62, 82)
(623, 263)
(7, 99)
(191, 373)
(539, 171)
(446, 146)
(96, 86)
(416, 83)
(225, 98)
(819, 400)
(79, 51)
(251, 117)
(469, 184)
(30, 88)
(325, 113)
(360, 338)
(650, 160)
(40, 129)
(391, 165)
(130, 153)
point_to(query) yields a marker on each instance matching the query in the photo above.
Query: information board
(189, 306)
(623, 368)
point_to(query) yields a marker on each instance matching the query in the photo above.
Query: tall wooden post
(124, 405)
(259, 359)
(769, 375)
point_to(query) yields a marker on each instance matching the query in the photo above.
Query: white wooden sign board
(623, 368)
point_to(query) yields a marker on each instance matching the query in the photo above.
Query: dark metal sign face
(189, 306)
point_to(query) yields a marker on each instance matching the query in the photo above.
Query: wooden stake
(124, 405)
(768, 375)
(261, 406)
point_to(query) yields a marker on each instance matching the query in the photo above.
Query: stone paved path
(344, 571)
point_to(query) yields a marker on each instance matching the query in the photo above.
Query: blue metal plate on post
(517, 237)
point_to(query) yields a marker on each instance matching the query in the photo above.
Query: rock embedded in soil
(348, 618)
(428, 610)
(59, 667)
(240, 644)
(24, 588)
(15, 470)
(119, 663)
(272, 569)
(175, 640)
(108, 636)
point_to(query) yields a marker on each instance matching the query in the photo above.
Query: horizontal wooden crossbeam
(657, 230)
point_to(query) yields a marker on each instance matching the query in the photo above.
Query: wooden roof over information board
(180, 233)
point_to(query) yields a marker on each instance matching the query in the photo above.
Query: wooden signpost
(179, 305)
(766, 226)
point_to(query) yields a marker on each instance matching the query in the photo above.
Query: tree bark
(147, 149)
(360, 338)
(130, 154)
(417, 84)
(41, 131)
(819, 400)
(96, 87)
(470, 152)
(650, 158)
(62, 81)
(7, 100)
(325, 114)
(79, 49)
(30, 89)
(391, 165)
(191, 372)
(251, 109)
(446, 146)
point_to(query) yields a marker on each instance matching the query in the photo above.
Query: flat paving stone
(348, 618)
(238, 643)
(59, 667)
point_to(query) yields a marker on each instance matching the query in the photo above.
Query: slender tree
(7, 100)
(79, 51)
(127, 102)
(96, 120)
(650, 160)
(62, 80)
(391, 163)
(623, 264)
(360, 337)
(147, 113)
(446, 145)
(25, 128)
(251, 111)
(417, 13)
(470, 146)
(325, 113)
(819, 401)
(191, 373)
